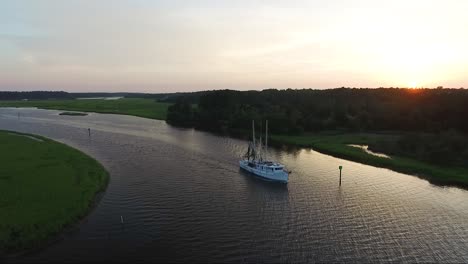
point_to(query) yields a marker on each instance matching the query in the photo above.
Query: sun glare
(413, 85)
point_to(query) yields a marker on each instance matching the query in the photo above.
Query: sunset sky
(168, 46)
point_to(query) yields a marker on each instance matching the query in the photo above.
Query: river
(183, 198)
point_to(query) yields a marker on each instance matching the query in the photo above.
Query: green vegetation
(181, 113)
(148, 108)
(336, 144)
(446, 148)
(432, 137)
(73, 114)
(354, 110)
(45, 186)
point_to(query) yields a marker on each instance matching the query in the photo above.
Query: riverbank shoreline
(89, 181)
(336, 144)
(57, 238)
(441, 176)
(73, 114)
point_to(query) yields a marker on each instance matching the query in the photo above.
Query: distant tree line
(46, 95)
(192, 97)
(297, 111)
(35, 95)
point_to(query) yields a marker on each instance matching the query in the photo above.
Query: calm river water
(183, 198)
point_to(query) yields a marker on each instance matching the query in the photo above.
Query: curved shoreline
(443, 177)
(409, 166)
(56, 238)
(10, 252)
(396, 164)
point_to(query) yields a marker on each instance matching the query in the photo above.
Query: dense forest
(296, 111)
(431, 122)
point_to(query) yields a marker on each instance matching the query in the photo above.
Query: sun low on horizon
(414, 85)
(170, 46)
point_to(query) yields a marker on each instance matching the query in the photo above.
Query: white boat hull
(265, 172)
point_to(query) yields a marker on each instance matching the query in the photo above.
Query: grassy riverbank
(73, 114)
(336, 144)
(45, 186)
(148, 108)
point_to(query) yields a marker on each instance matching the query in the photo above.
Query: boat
(254, 163)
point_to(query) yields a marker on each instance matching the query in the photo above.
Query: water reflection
(264, 186)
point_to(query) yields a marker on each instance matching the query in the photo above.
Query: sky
(181, 45)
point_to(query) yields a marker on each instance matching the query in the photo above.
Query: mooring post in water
(340, 167)
(121, 219)
(89, 131)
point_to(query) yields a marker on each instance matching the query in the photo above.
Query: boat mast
(253, 133)
(266, 140)
(260, 149)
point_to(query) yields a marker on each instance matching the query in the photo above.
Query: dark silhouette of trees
(295, 111)
(36, 95)
(181, 113)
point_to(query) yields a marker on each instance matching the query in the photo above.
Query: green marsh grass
(336, 144)
(141, 107)
(45, 186)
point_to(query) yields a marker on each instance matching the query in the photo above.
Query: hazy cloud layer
(160, 46)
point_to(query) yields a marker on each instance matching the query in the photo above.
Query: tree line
(61, 95)
(34, 95)
(307, 110)
(431, 124)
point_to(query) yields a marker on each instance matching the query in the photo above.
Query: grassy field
(337, 145)
(148, 108)
(45, 186)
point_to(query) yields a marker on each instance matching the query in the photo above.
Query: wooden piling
(340, 167)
